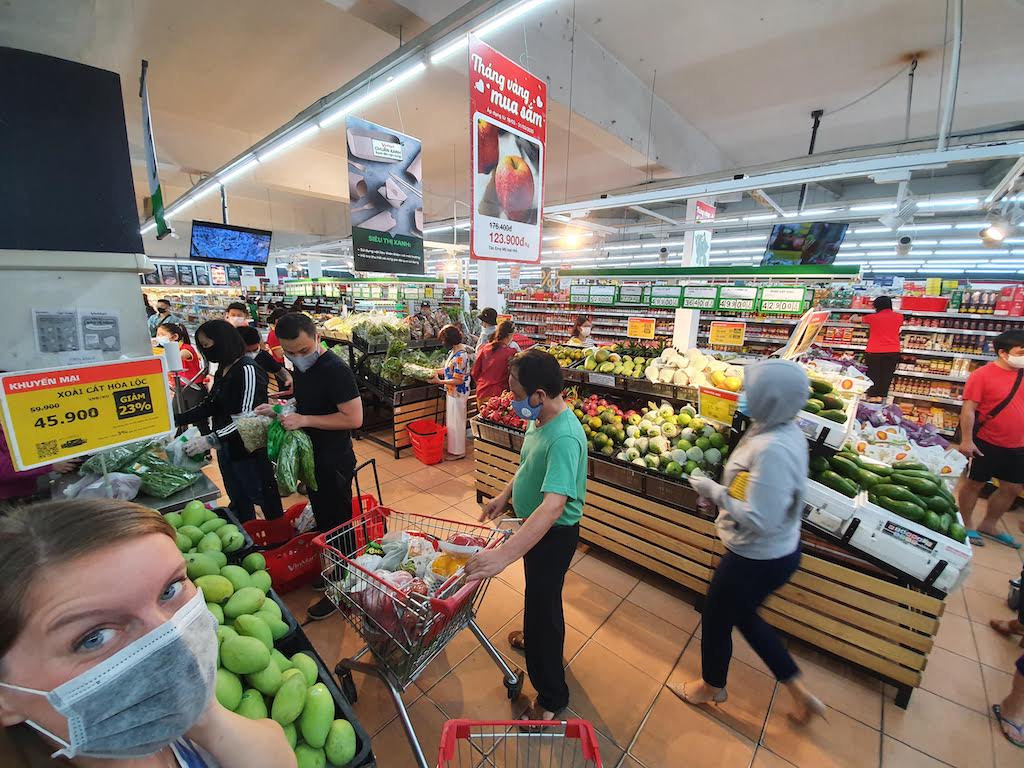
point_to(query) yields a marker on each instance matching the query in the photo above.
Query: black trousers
(543, 621)
(737, 590)
(881, 367)
(332, 500)
(249, 481)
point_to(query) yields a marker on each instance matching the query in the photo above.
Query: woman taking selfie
(100, 671)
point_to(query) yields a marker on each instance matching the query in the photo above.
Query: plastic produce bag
(161, 479)
(176, 455)
(276, 432)
(113, 459)
(295, 462)
(116, 485)
(252, 428)
(395, 553)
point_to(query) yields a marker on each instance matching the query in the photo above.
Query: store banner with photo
(697, 243)
(508, 108)
(385, 187)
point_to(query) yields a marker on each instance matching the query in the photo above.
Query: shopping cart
(404, 630)
(534, 744)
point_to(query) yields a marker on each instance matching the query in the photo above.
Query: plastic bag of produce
(947, 464)
(295, 462)
(116, 485)
(114, 459)
(175, 450)
(276, 432)
(395, 553)
(356, 580)
(161, 479)
(252, 428)
(418, 372)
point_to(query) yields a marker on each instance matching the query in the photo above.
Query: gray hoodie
(759, 515)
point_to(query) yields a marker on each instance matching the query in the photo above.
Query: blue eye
(172, 591)
(95, 640)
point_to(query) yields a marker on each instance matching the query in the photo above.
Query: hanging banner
(168, 274)
(385, 186)
(697, 244)
(57, 414)
(156, 194)
(805, 333)
(508, 107)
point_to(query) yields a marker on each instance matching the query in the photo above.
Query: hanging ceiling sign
(385, 183)
(508, 108)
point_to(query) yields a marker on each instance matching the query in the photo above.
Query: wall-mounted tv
(229, 244)
(811, 242)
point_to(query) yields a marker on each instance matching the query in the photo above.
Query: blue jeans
(737, 590)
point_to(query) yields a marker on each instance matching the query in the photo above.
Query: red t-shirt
(490, 370)
(988, 387)
(273, 343)
(884, 333)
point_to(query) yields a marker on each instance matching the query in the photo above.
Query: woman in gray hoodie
(760, 505)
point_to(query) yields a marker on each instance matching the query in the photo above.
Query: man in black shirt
(328, 408)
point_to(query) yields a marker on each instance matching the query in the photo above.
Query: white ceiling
(224, 74)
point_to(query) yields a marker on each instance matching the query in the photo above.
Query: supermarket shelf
(918, 313)
(937, 376)
(958, 331)
(740, 319)
(939, 353)
(860, 347)
(927, 398)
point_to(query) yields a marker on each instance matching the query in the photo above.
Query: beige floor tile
(609, 572)
(459, 468)
(941, 729)
(955, 635)
(997, 685)
(765, 758)
(390, 745)
(455, 489)
(842, 741)
(374, 706)
(587, 604)
(840, 685)
(955, 678)
(574, 642)
(475, 690)
(676, 734)
(642, 639)
(457, 650)
(631, 762)
(997, 558)
(981, 606)
(470, 506)
(426, 478)
(581, 551)
(660, 598)
(609, 692)
(500, 603)
(423, 504)
(395, 491)
(750, 692)
(956, 603)
(515, 577)
(994, 649)
(988, 579)
(741, 650)
(896, 754)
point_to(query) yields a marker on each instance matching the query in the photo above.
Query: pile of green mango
(198, 529)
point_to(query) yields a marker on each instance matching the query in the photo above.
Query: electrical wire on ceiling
(872, 92)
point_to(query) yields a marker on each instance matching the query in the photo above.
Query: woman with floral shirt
(455, 377)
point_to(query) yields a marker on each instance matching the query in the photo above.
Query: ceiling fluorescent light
(243, 166)
(925, 227)
(716, 222)
(960, 241)
(289, 142)
(743, 239)
(954, 202)
(182, 203)
(873, 207)
(362, 101)
(971, 225)
(733, 251)
(869, 230)
(761, 217)
(819, 211)
(879, 244)
(508, 17)
(450, 50)
(971, 252)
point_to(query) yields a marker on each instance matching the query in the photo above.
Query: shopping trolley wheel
(515, 689)
(348, 685)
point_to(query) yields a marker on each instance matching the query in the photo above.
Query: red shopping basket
(427, 438)
(561, 744)
(273, 533)
(293, 565)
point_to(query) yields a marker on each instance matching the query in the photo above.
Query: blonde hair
(37, 536)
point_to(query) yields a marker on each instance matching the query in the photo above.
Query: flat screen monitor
(229, 244)
(811, 242)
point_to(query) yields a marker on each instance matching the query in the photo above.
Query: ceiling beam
(655, 215)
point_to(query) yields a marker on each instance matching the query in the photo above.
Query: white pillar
(697, 243)
(487, 286)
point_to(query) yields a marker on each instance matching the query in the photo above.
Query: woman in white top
(580, 336)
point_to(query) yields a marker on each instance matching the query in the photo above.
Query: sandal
(1014, 733)
(718, 697)
(517, 640)
(1001, 538)
(536, 713)
(1006, 628)
(975, 539)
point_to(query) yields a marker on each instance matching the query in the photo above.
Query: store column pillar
(316, 267)
(697, 243)
(487, 286)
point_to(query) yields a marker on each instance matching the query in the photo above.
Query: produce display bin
(855, 609)
(238, 555)
(386, 417)
(286, 615)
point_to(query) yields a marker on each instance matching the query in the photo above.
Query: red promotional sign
(508, 107)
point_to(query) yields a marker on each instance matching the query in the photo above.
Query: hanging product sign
(727, 334)
(168, 274)
(805, 333)
(700, 297)
(640, 327)
(218, 274)
(700, 249)
(234, 275)
(151, 278)
(665, 296)
(185, 275)
(631, 294)
(57, 414)
(603, 295)
(738, 298)
(202, 274)
(508, 108)
(783, 301)
(385, 183)
(579, 294)
(717, 404)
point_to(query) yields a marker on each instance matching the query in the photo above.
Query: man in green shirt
(547, 494)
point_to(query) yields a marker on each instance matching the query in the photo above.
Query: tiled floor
(629, 633)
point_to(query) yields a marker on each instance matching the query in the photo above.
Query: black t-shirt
(318, 392)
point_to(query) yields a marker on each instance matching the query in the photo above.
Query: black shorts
(1006, 464)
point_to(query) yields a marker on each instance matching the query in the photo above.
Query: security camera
(663, 253)
(903, 245)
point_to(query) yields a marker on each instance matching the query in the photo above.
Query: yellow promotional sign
(59, 413)
(717, 404)
(503, 318)
(727, 334)
(640, 328)
(933, 286)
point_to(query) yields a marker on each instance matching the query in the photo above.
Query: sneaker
(319, 585)
(321, 609)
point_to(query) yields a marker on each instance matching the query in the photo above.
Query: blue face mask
(741, 403)
(524, 410)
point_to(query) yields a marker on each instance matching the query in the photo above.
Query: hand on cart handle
(969, 449)
(486, 564)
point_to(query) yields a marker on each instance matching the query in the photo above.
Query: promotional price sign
(740, 298)
(640, 327)
(700, 297)
(631, 294)
(783, 301)
(717, 404)
(727, 334)
(56, 414)
(508, 106)
(805, 333)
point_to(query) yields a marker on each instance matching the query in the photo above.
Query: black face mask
(215, 354)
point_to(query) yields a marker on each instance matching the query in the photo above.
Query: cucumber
(957, 532)
(832, 402)
(896, 492)
(873, 466)
(933, 521)
(844, 467)
(837, 416)
(938, 504)
(945, 521)
(905, 509)
(812, 406)
(820, 386)
(908, 465)
(818, 464)
(838, 483)
(919, 485)
(867, 479)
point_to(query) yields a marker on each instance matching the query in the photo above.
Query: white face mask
(303, 363)
(1015, 361)
(238, 322)
(145, 696)
(585, 331)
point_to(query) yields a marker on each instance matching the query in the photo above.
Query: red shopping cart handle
(461, 730)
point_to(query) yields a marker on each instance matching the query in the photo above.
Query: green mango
(309, 757)
(305, 663)
(237, 575)
(249, 625)
(200, 565)
(217, 611)
(317, 715)
(253, 562)
(261, 580)
(229, 689)
(252, 705)
(290, 699)
(244, 655)
(245, 600)
(341, 743)
(268, 680)
(216, 589)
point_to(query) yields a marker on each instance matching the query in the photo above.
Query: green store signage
(783, 301)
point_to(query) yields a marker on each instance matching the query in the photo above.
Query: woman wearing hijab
(760, 504)
(238, 387)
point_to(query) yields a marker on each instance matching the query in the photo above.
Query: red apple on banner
(487, 146)
(513, 183)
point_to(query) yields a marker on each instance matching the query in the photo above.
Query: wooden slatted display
(432, 409)
(883, 626)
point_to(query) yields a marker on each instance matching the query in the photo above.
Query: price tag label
(717, 404)
(739, 298)
(783, 301)
(602, 294)
(700, 297)
(631, 294)
(503, 318)
(665, 295)
(56, 414)
(601, 379)
(640, 327)
(727, 334)
(579, 294)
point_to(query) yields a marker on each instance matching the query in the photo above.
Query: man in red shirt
(883, 350)
(992, 425)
